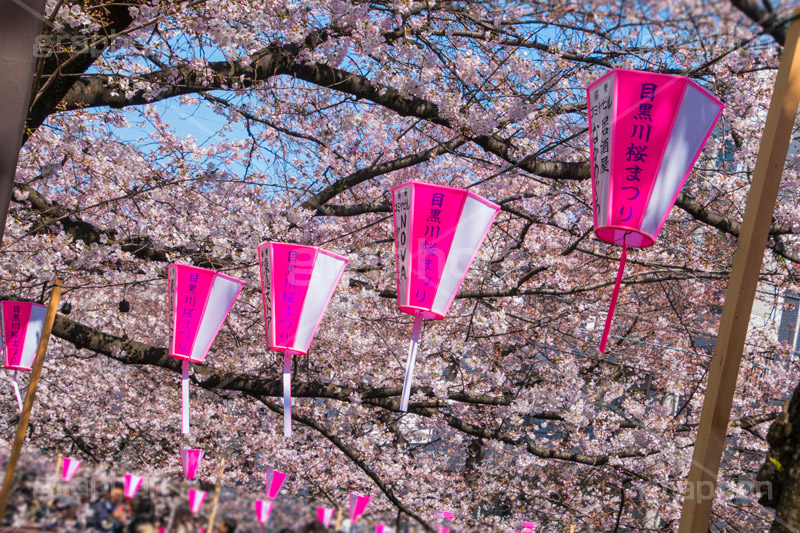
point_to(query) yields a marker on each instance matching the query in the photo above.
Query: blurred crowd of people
(112, 513)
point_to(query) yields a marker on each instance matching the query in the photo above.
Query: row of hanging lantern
(646, 132)
(190, 463)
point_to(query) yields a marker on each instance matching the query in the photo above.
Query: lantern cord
(412, 357)
(614, 295)
(185, 397)
(16, 391)
(287, 394)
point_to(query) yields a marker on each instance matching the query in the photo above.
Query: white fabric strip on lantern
(438, 232)
(382, 528)
(646, 132)
(200, 300)
(69, 468)
(21, 325)
(297, 284)
(445, 520)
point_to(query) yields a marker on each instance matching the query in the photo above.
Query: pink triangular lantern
(358, 504)
(196, 499)
(190, 461)
(132, 485)
(69, 467)
(199, 301)
(646, 132)
(297, 283)
(263, 509)
(21, 325)
(527, 527)
(324, 516)
(382, 528)
(274, 483)
(445, 520)
(438, 232)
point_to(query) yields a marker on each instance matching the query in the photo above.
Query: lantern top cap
(310, 247)
(22, 302)
(215, 272)
(675, 77)
(449, 188)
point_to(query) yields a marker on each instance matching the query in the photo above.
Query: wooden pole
(215, 503)
(713, 427)
(338, 520)
(59, 466)
(572, 528)
(25, 417)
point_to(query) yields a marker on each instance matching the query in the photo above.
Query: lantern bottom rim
(15, 367)
(424, 311)
(620, 235)
(188, 358)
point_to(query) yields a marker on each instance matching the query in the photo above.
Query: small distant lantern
(263, 510)
(445, 520)
(324, 516)
(274, 483)
(190, 461)
(196, 499)
(132, 485)
(69, 468)
(358, 504)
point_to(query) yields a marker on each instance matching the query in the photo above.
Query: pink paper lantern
(527, 527)
(324, 516)
(274, 483)
(21, 324)
(263, 509)
(358, 504)
(190, 461)
(381, 528)
(647, 131)
(69, 467)
(200, 299)
(132, 485)
(297, 283)
(438, 232)
(445, 520)
(196, 499)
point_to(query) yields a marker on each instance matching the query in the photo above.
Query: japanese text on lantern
(187, 314)
(430, 252)
(602, 98)
(637, 152)
(266, 292)
(288, 298)
(14, 353)
(402, 223)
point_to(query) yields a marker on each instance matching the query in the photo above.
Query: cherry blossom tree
(164, 131)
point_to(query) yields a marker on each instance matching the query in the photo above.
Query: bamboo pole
(338, 519)
(59, 466)
(713, 427)
(215, 503)
(25, 417)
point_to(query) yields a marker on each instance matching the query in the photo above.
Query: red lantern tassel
(614, 295)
